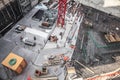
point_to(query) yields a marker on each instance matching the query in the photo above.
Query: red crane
(61, 12)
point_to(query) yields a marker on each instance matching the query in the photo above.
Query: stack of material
(71, 73)
(46, 24)
(112, 37)
(54, 60)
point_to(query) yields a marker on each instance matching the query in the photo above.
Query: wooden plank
(117, 37)
(107, 38)
(112, 39)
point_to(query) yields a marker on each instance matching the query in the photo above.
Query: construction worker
(65, 59)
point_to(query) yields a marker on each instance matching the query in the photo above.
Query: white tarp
(36, 32)
(111, 3)
(41, 6)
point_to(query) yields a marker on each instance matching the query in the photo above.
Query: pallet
(112, 38)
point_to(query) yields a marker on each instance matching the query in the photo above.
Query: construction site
(59, 40)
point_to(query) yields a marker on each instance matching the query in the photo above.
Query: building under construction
(59, 40)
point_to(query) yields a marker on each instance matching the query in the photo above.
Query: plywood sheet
(71, 70)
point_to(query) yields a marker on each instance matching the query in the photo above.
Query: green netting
(99, 45)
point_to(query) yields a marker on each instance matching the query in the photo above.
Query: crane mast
(61, 12)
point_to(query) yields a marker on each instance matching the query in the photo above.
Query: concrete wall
(98, 4)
